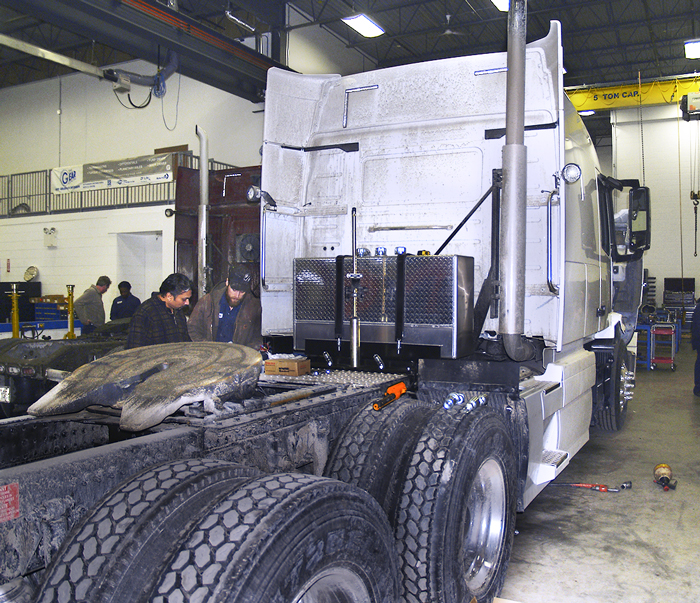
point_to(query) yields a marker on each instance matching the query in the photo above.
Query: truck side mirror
(639, 218)
(626, 233)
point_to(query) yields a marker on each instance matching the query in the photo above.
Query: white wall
(669, 146)
(140, 261)
(88, 245)
(313, 50)
(604, 150)
(76, 119)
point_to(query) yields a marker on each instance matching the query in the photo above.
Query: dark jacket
(204, 320)
(124, 307)
(695, 328)
(154, 323)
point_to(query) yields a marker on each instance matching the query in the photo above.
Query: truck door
(587, 281)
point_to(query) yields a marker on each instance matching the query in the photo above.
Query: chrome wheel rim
(626, 385)
(337, 584)
(486, 525)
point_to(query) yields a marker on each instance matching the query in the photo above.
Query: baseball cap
(239, 278)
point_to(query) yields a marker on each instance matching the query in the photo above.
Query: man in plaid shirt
(161, 319)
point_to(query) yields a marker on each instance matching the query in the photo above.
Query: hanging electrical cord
(155, 84)
(144, 104)
(641, 126)
(694, 183)
(177, 106)
(121, 102)
(131, 102)
(680, 190)
(695, 210)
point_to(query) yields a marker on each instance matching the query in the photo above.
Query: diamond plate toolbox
(435, 306)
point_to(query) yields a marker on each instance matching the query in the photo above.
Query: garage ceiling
(605, 41)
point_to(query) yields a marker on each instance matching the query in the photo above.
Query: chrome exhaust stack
(355, 280)
(203, 213)
(514, 204)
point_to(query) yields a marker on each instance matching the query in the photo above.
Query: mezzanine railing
(30, 193)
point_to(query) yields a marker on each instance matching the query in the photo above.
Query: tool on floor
(623, 486)
(598, 487)
(663, 477)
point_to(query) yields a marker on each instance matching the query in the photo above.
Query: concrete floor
(636, 546)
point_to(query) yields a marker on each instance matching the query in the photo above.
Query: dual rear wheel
(447, 481)
(204, 530)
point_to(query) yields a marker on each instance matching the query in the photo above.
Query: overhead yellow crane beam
(660, 92)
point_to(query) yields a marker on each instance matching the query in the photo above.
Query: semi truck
(439, 240)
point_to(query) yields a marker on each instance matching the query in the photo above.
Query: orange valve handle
(398, 389)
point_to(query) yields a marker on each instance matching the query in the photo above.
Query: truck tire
(456, 514)
(612, 413)
(111, 553)
(286, 538)
(374, 450)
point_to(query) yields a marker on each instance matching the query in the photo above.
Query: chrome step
(554, 457)
(551, 464)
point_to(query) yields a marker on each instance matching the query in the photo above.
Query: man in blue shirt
(229, 306)
(125, 305)
(695, 342)
(231, 312)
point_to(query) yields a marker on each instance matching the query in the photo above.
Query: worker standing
(230, 313)
(160, 319)
(89, 306)
(695, 341)
(126, 304)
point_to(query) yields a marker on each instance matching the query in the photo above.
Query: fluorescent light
(363, 25)
(586, 113)
(238, 21)
(692, 49)
(502, 5)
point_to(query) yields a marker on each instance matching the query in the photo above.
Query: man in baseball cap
(230, 312)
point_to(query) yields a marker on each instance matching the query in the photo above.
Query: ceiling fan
(448, 31)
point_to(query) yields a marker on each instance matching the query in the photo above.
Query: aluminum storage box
(432, 296)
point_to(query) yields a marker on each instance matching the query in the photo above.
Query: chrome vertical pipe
(355, 279)
(203, 213)
(514, 205)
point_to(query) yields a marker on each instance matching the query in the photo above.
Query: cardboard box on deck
(288, 366)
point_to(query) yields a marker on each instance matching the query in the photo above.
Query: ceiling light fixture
(363, 25)
(692, 49)
(502, 5)
(231, 17)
